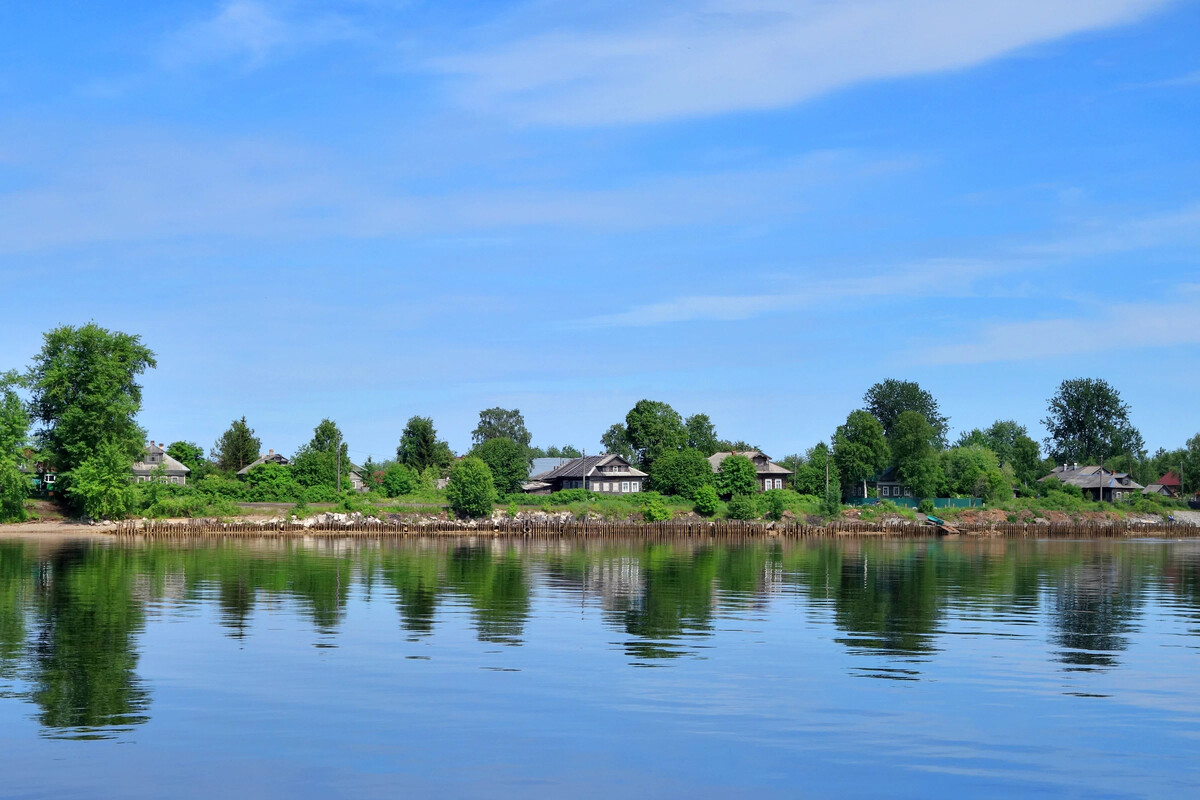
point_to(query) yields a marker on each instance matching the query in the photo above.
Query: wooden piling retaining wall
(523, 528)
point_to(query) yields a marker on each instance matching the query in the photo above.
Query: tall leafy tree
(681, 473)
(190, 454)
(471, 491)
(316, 463)
(810, 472)
(14, 432)
(1088, 422)
(101, 485)
(1011, 443)
(654, 428)
(889, 399)
(914, 447)
(508, 461)
(498, 423)
(420, 448)
(966, 467)
(860, 449)
(85, 393)
(701, 434)
(237, 447)
(737, 476)
(616, 441)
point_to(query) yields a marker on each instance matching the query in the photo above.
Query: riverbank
(354, 524)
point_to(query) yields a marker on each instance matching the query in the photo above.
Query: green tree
(102, 484)
(701, 434)
(399, 480)
(707, 501)
(238, 447)
(1012, 445)
(860, 449)
(85, 393)
(316, 463)
(737, 476)
(775, 504)
(965, 467)
(654, 428)
(273, 483)
(616, 441)
(914, 448)
(14, 433)
(743, 506)
(421, 449)
(681, 473)
(508, 460)
(191, 455)
(1088, 422)
(471, 491)
(501, 423)
(891, 398)
(810, 475)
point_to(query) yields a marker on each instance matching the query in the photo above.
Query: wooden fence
(518, 528)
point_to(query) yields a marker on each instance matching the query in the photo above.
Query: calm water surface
(481, 667)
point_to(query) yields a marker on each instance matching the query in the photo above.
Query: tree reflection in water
(71, 614)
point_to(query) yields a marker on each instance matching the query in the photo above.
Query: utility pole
(339, 467)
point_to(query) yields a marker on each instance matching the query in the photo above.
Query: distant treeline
(74, 410)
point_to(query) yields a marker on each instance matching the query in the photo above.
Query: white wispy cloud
(1115, 328)
(707, 57)
(140, 184)
(250, 32)
(937, 278)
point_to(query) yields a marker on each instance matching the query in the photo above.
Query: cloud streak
(940, 278)
(711, 57)
(250, 32)
(1118, 328)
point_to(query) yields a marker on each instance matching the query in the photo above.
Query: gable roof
(169, 465)
(1092, 477)
(1170, 479)
(581, 467)
(771, 468)
(277, 458)
(541, 466)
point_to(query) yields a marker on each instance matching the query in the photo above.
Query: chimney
(270, 452)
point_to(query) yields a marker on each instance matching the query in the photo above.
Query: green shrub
(655, 510)
(471, 491)
(926, 506)
(707, 501)
(14, 489)
(399, 479)
(738, 476)
(322, 493)
(681, 473)
(101, 484)
(512, 509)
(742, 506)
(775, 504)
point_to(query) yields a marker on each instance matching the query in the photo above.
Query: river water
(618, 668)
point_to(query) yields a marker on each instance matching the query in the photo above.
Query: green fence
(913, 502)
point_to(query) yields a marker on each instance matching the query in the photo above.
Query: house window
(779, 483)
(887, 491)
(908, 492)
(635, 486)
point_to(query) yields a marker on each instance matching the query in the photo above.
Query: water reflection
(71, 614)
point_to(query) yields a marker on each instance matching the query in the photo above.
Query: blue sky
(751, 208)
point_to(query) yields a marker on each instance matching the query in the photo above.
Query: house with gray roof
(770, 474)
(156, 465)
(1096, 482)
(269, 457)
(606, 474)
